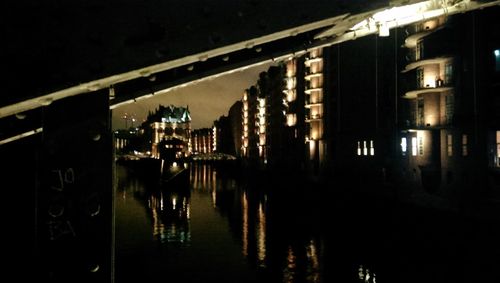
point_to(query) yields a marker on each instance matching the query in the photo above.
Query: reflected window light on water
(244, 224)
(365, 275)
(261, 236)
(313, 262)
(170, 221)
(290, 266)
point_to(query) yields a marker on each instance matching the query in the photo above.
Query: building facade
(450, 138)
(415, 108)
(202, 141)
(169, 123)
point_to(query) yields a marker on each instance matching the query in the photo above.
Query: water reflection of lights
(365, 275)
(170, 217)
(313, 262)
(261, 236)
(289, 270)
(244, 223)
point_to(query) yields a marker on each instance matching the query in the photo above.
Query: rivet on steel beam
(46, 101)
(20, 116)
(203, 58)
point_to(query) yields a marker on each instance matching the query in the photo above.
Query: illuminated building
(203, 141)
(294, 132)
(223, 136)
(314, 116)
(236, 126)
(249, 135)
(267, 121)
(451, 126)
(169, 123)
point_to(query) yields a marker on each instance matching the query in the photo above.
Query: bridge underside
(135, 50)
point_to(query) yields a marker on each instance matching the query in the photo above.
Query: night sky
(207, 100)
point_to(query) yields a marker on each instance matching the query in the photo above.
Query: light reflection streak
(290, 267)
(261, 236)
(244, 223)
(365, 275)
(170, 217)
(313, 262)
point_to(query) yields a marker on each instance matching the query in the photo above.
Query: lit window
(465, 145)
(449, 145)
(372, 150)
(290, 83)
(291, 119)
(365, 149)
(403, 146)
(414, 146)
(291, 95)
(359, 148)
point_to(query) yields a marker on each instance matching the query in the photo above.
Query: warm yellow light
(290, 95)
(414, 146)
(261, 235)
(403, 145)
(291, 119)
(383, 29)
(290, 83)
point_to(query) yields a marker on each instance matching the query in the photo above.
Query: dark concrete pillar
(74, 213)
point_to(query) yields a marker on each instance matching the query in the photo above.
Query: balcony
(420, 63)
(313, 118)
(310, 90)
(411, 41)
(309, 103)
(308, 61)
(425, 26)
(314, 75)
(414, 93)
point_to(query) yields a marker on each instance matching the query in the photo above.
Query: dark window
(420, 78)
(420, 112)
(450, 102)
(448, 74)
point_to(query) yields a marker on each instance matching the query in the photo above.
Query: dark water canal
(226, 229)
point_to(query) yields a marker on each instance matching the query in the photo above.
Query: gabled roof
(171, 114)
